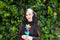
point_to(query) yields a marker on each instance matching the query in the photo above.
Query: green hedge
(11, 15)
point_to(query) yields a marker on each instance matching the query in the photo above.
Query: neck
(30, 20)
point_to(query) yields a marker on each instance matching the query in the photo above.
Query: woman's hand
(26, 37)
(30, 37)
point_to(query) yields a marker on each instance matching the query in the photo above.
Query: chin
(29, 21)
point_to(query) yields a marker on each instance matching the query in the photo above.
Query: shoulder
(21, 25)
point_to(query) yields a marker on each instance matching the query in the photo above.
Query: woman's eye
(29, 14)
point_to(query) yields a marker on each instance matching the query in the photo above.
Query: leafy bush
(11, 15)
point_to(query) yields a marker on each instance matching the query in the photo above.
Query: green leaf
(1, 36)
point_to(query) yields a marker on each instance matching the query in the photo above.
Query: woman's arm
(33, 38)
(37, 38)
(20, 31)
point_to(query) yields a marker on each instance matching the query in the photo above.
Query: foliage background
(11, 15)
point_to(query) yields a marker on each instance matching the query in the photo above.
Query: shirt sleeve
(20, 31)
(36, 38)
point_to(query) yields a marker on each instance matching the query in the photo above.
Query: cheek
(28, 17)
(31, 16)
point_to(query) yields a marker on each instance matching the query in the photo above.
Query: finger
(24, 36)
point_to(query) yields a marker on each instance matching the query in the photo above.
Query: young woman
(29, 28)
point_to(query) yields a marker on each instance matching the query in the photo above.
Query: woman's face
(29, 15)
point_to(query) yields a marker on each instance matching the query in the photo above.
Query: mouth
(28, 18)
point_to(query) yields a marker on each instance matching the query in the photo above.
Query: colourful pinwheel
(28, 28)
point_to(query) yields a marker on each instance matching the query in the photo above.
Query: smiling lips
(28, 18)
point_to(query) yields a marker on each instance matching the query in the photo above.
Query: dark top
(34, 31)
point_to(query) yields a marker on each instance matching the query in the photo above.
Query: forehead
(29, 11)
